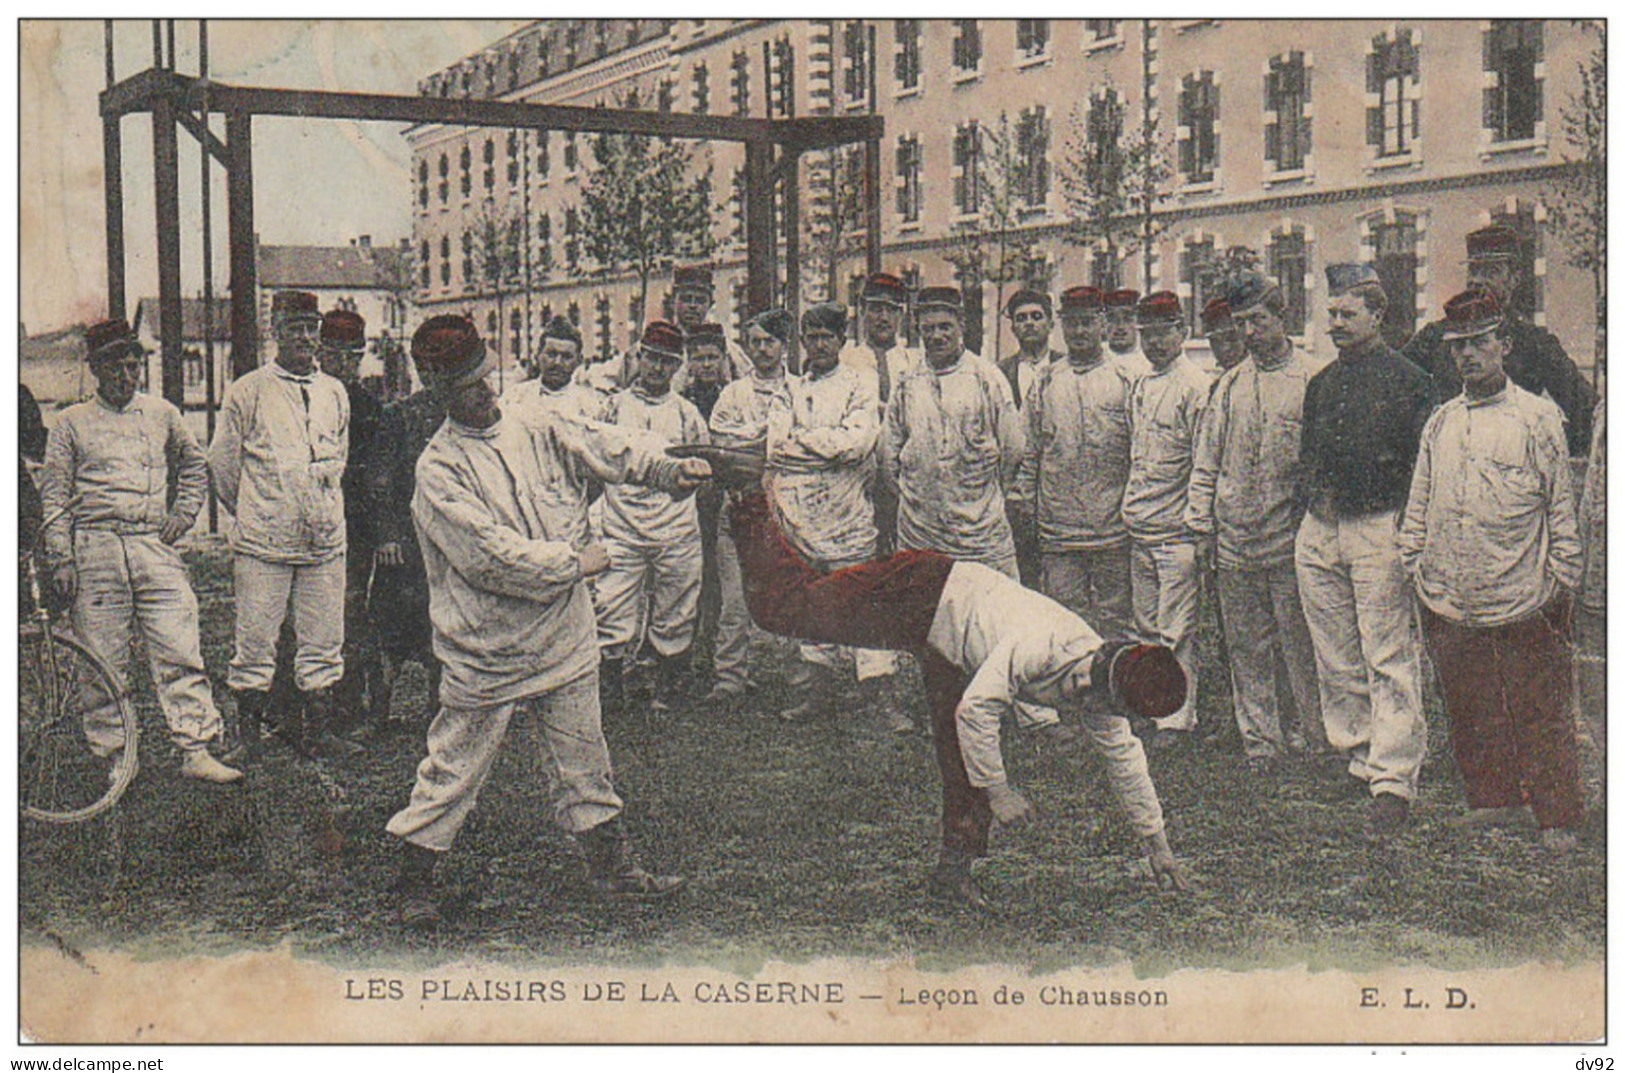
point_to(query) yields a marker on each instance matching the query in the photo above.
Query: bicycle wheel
(63, 777)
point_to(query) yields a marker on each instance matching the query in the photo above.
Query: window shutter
(1373, 126)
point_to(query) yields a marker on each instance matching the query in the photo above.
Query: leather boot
(316, 737)
(251, 705)
(669, 672)
(952, 883)
(611, 686)
(415, 887)
(612, 868)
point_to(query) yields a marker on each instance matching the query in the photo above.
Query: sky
(316, 182)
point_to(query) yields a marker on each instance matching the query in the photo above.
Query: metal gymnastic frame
(773, 150)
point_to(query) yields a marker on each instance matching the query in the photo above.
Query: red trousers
(1506, 691)
(888, 604)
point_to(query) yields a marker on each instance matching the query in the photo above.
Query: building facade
(1021, 149)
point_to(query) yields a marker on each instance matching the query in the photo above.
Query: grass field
(802, 841)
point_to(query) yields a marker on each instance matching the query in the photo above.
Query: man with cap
(985, 644)
(501, 514)
(650, 593)
(1223, 336)
(952, 440)
(107, 463)
(883, 351)
(739, 419)
(278, 462)
(1362, 419)
(1536, 360)
(343, 345)
(692, 296)
(400, 601)
(1032, 320)
(555, 386)
(1123, 331)
(1165, 409)
(707, 351)
(821, 437)
(1072, 476)
(1244, 498)
(1491, 540)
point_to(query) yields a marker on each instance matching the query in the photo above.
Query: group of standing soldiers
(1323, 501)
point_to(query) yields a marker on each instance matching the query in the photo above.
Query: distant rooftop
(191, 319)
(358, 266)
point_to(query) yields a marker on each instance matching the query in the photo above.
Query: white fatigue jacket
(117, 463)
(1490, 528)
(1014, 643)
(740, 415)
(278, 459)
(642, 516)
(501, 514)
(1164, 412)
(1245, 474)
(1134, 363)
(574, 399)
(821, 438)
(951, 442)
(1076, 464)
(885, 369)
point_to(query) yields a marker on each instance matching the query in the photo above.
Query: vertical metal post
(790, 170)
(871, 171)
(113, 195)
(208, 263)
(759, 240)
(169, 35)
(241, 238)
(166, 176)
(157, 43)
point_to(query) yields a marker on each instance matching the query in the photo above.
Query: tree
(1578, 194)
(1112, 183)
(644, 205)
(990, 245)
(834, 226)
(498, 247)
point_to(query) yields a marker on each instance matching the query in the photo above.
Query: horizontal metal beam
(139, 92)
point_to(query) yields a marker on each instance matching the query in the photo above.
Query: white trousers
(1362, 618)
(734, 628)
(1165, 584)
(263, 593)
(665, 579)
(463, 744)
(139, 582)
(1264, 628)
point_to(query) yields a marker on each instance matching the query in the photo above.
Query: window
(514, 326)
(1393, 121)
(572, 46)
(782, 77)
(1030, 176)
(600, 38)
(739, 82)
(1287, 262)
(736, 202)
(423, 184)
(1032, 39)
(601, 324)
(1198, 272)
(468, 258)
(908, 179)
(700, 77)
(572, 238)
(571, 154)
(544, 154)
(1198, 128)
(544, 241)
(665, 96)
(465, 163)
(1101, 31)
(445, 260)
(906, 66)
(1513, 54)
(968, 169)
(513, 158)
(192, 367)
(424, 273)
(1286, 119)
(1103, 270)
(1105, 129)
(513, 69)
(445, 175)
(489, 160)
(855, 62)
(1395, 257)
(967, 48)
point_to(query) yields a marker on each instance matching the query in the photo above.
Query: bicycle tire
(60, 780)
